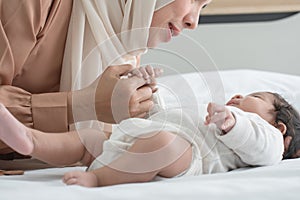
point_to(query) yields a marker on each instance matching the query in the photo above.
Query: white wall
(272, 46)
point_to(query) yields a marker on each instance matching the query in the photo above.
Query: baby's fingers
(158, 72)
(217, 118)
(213, 108)
(135, 72)
(149, 71)
(228, 124)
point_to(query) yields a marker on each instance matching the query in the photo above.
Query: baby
(258, 129)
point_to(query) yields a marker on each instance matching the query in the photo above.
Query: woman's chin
(153, 44)
(163, 36)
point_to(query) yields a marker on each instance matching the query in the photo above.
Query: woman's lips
(174, 30)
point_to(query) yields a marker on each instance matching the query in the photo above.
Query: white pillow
(186, 90)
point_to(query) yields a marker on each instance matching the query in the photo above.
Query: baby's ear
(281, 127)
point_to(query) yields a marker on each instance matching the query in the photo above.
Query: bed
(280, 181)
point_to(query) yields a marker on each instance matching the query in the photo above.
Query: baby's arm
(252, 138)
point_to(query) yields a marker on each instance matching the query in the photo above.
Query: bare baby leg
(56, 149)
(13, 133)
(163, 154)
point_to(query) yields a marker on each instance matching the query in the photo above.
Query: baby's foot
(86, 179)
(14, 134)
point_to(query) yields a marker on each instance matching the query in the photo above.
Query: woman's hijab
(103, 33)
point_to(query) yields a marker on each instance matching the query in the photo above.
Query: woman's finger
(143, 93)
(142, 109)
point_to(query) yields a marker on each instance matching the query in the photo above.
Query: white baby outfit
(251, 142)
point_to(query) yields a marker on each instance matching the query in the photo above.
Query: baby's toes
(71, 181)
(71, 178)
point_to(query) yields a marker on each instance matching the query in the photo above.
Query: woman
(61, 60)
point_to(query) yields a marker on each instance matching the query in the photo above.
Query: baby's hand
(221, 116)
(148, 73)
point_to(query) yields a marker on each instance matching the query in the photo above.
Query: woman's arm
(22, 27)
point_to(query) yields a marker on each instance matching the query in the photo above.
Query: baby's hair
(288, 115)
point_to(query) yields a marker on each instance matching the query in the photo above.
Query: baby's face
(260, 103)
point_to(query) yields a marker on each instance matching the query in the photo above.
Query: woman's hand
(221, 116)
(112, 98)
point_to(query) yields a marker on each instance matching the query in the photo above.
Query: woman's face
(171, 19)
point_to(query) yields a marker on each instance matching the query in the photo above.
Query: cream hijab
(103, 33)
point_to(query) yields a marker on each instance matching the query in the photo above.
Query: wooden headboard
(224, 7)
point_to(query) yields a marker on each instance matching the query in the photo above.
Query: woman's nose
(191, 21)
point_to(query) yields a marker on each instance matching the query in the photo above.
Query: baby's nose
(238, 96)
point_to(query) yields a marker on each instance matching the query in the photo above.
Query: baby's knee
(165, 138)
(153, 142)
(177, 153)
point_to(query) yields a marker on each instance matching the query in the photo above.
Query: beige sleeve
(48, 111)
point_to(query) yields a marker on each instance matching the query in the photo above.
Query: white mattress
(281, 181)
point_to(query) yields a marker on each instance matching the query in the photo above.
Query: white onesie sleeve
(253, 139)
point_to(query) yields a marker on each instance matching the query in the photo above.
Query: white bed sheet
(276, 182)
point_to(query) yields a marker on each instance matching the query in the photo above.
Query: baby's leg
(69, 147)
(13, 133)
(57, 149)
(163, 154)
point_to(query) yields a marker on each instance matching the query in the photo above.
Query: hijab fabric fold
(103, 33)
